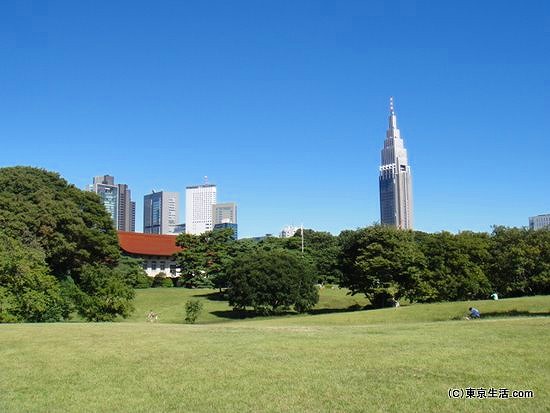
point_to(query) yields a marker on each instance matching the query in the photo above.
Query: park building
(156, 251)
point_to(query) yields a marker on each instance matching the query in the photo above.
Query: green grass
(401, 359)
(169, 303)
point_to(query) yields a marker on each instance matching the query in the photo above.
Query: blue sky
(284, 104)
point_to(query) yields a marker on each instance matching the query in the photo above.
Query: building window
(162, 266)
(153, 265)
(144, 265)
(173, 269)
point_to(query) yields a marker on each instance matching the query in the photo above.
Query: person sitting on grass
(474, 312)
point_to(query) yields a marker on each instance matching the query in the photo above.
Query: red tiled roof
(147, 244)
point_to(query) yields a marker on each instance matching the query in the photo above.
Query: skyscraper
(225, 216)
(160, 212)
(104, 186)
(126, 219)
(117, 201)
(396, 203)
(198, 208)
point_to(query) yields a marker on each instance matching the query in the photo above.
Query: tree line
(59, 255)
(383, 263)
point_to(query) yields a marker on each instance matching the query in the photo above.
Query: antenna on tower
(391, 105)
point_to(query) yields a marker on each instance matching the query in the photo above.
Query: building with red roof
(156, 251)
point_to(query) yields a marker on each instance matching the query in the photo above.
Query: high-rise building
(225, 216)
(539, 222)
(198, 208)
(160, 212)
(105, 187)
(117, 200)
(126, 219)
(396, 203)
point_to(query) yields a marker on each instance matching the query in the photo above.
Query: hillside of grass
(339, 362)
(169, 304)
(335, 307)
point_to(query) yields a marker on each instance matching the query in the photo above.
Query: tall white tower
(199, 200)
(396, 202)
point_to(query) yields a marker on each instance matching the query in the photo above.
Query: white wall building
(225, 213)
(289, 231)
(539, 221)
(199, 200)
(160, 212)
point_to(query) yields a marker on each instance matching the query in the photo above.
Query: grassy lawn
(402, 359)
(169, 303)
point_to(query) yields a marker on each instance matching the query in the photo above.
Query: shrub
(270, 281)
(193, 309)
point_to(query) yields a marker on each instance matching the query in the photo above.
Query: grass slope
(169, 303)
(383, 360)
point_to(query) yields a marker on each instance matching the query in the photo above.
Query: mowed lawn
(169, 304)
(363, 361)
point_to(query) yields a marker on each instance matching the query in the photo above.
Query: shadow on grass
(242, 314)
(351, 308)
(515, 313)
(507, 314)
(215, 296)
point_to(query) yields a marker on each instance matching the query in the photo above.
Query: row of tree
(384, 263)
(59, 254)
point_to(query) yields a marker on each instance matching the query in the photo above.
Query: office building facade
(539, 222)
(160, 212)
(224, 215)
(395, 181)
(199, 200)
(117, 200)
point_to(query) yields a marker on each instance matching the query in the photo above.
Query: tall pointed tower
(396, 206)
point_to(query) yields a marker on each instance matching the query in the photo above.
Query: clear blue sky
(284, 104)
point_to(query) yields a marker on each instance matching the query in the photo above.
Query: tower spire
(392, 121)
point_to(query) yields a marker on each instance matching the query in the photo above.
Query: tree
(193, 309)
(131, 270)
(204, 258)
(71, 226)
(272, 280)
(520, 261)
(103, 294)
(27, 291)
(76, 235)
(323, 250)
(456, 266)
(383, 263)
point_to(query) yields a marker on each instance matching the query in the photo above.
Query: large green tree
(456, 266)
(72, 229)
(27, 291)
(520, 261)
(272, 280)
(204, 258)
(322, 249)
(383, 263)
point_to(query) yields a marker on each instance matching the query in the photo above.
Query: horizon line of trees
(59, 255)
